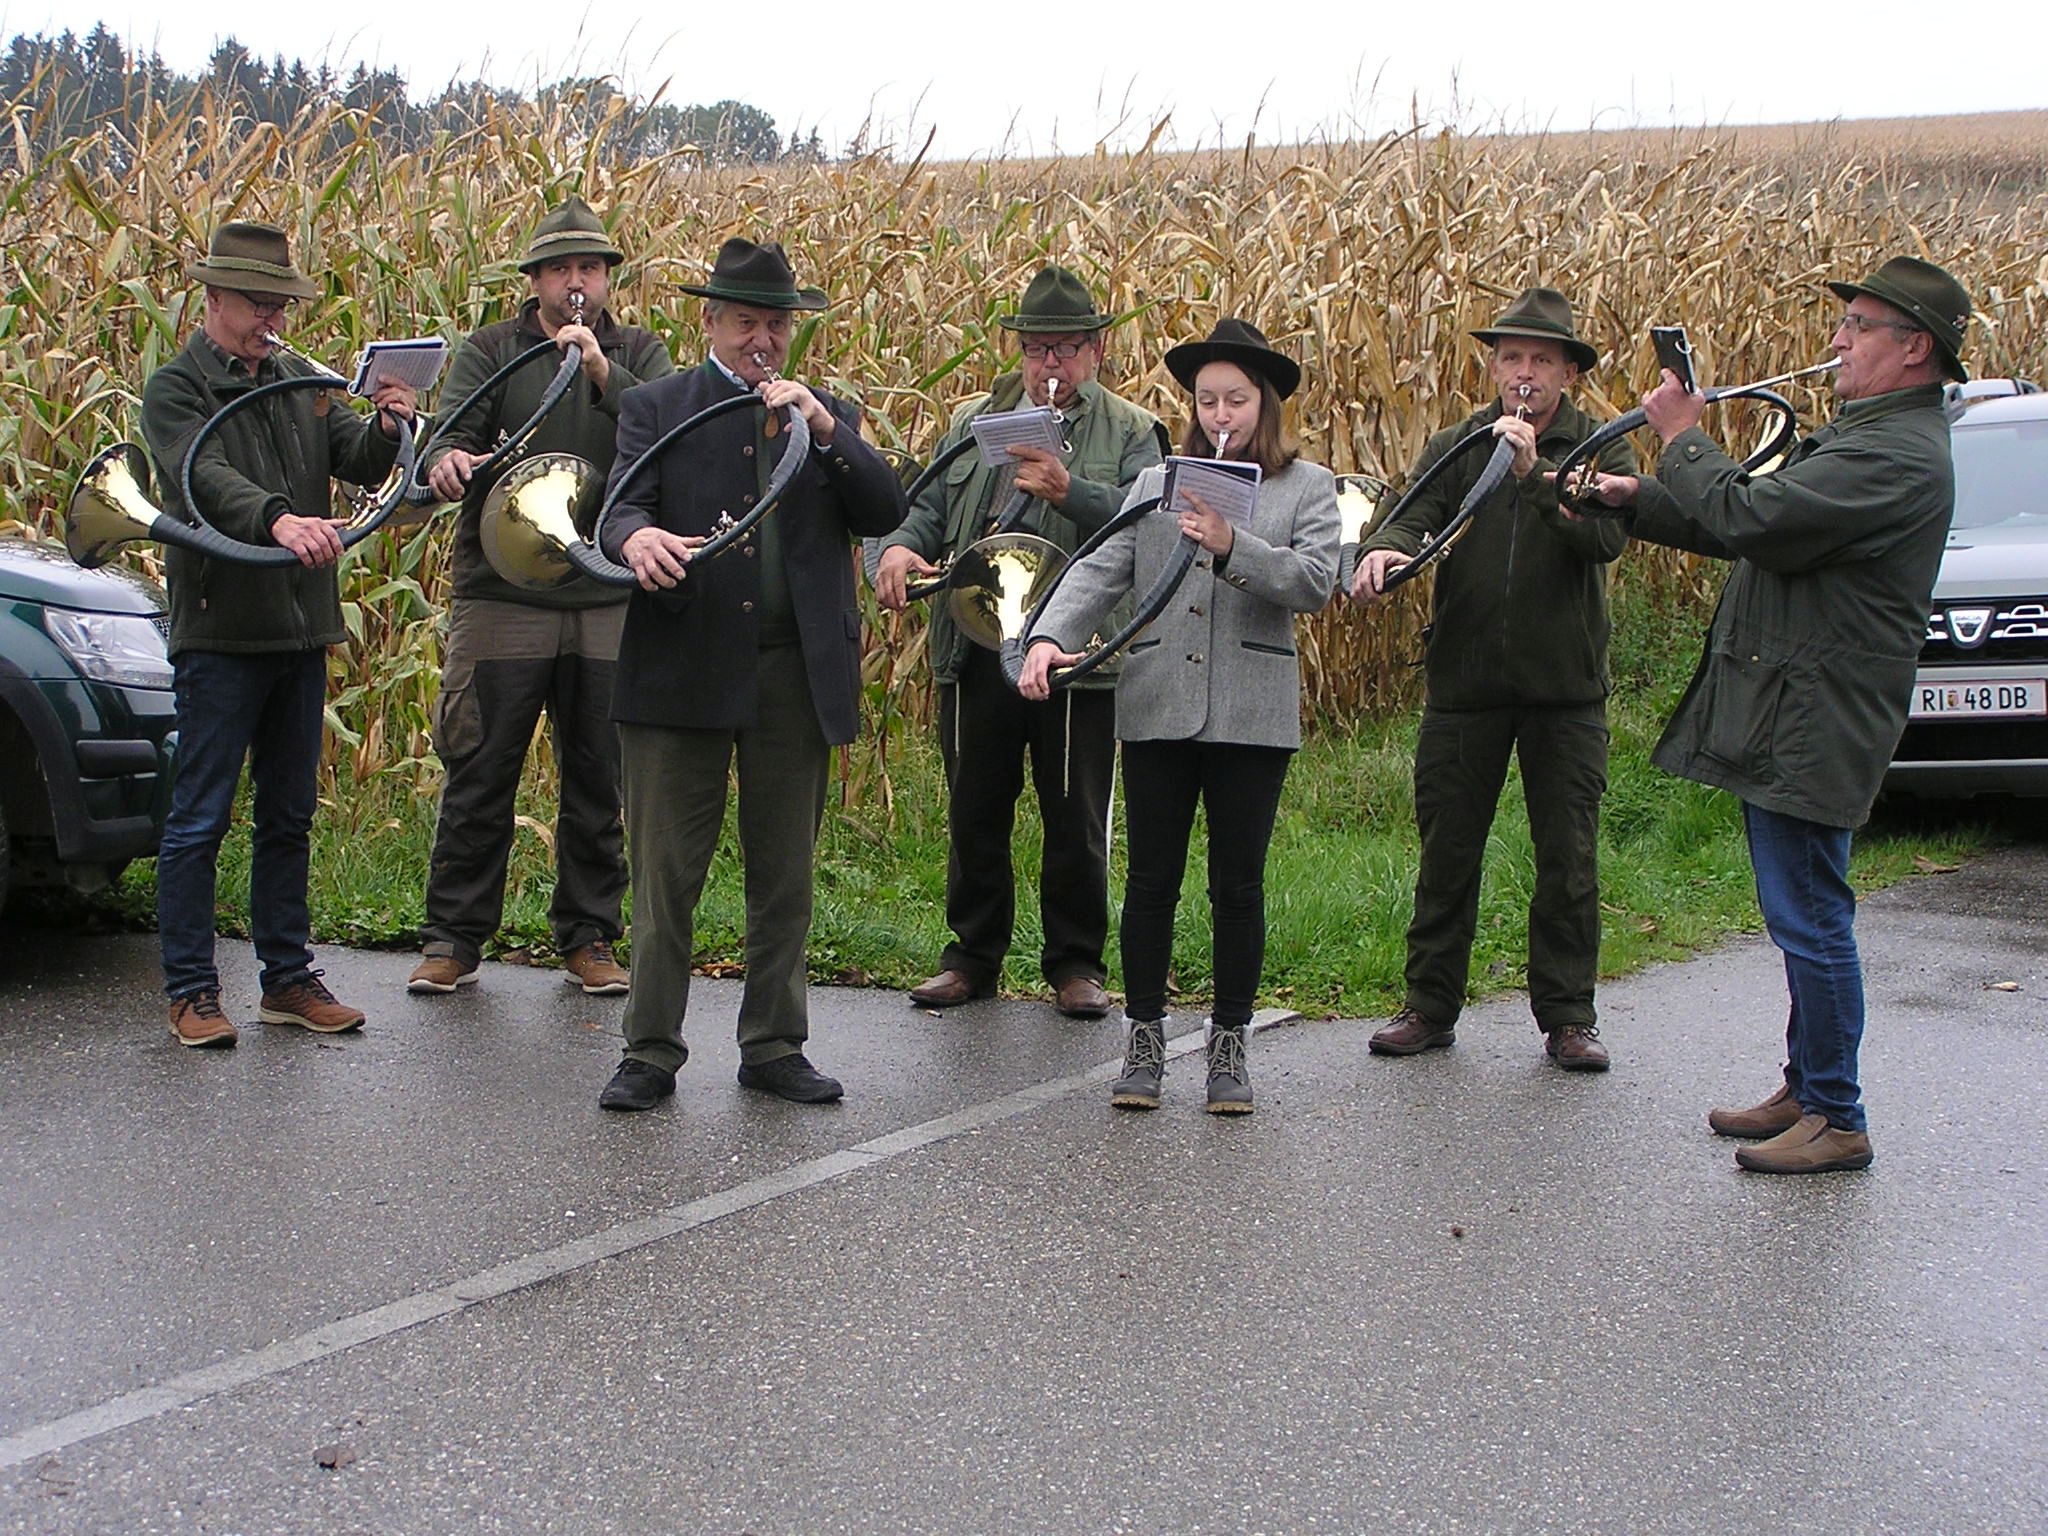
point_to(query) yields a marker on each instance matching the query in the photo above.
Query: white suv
(1979, 717)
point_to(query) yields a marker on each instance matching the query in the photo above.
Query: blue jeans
(268, 708)
(1802, 884)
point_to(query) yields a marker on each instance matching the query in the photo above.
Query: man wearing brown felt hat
(249, 643)
(1802, 693)
(513, 654)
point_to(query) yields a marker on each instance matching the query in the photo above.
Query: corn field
(1368, 261)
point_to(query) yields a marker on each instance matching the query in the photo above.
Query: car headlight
(120, 648)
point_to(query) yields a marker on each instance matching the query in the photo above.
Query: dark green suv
(88, 733)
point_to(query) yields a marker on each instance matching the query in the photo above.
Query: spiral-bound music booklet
(416, 362)
(1229, 487)
(997, 431)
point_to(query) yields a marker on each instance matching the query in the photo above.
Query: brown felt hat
(571, 228)
(252, 258)
(1927, 296)
(1057, 303)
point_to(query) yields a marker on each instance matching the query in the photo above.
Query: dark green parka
(1113, 443)
(1799, 701)
(276, 457)
(585, 423)
(1521, 600)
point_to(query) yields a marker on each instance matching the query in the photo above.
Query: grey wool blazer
(1219, 664)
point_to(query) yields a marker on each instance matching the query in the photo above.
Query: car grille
(1962, 741)
(162, 624)
(2017, 632)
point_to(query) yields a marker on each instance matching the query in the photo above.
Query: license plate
(1980, 698)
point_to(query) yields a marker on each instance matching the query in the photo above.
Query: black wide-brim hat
(760, 275)
(1546, 315)
(1934, 301)
(1239, 342)
(252, 258)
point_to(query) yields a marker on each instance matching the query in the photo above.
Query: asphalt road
(1459, 1293)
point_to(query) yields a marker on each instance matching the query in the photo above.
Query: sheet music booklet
(1033, 427)
(1229, 486)
(416, 362)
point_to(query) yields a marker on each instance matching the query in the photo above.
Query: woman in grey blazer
(1209, 703)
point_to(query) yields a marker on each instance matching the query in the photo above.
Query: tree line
(97, 87)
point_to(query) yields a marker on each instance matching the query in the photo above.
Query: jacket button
(747, 607)
(747, 500)
(748, 451)
(747, 550)
(1195, 656)
(1202, 564)
(845, 468)
(1196, 610)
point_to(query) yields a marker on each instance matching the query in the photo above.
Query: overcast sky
(1031, 77)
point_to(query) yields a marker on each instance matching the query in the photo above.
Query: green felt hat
(1928, 296)
(760, 275)
(1545, 314)
(1056, 303)
(572, 228)
(252, 258)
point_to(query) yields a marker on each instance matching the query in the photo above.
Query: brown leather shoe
(1081, 997)
(1811, 1146)
(1408, 1033)
(946, 989)
(592, 965)
(197, 1020)
(1775, 1116)
(1576, 1048)
(309, 1005)
(440, 973)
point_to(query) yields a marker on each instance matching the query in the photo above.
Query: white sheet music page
(1230, 487)
(997, 431)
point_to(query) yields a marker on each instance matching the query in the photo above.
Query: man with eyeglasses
(986, 730)
(249, 643)
(514, 654)
(1801, 696)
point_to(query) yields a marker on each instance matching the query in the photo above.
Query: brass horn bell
(534, 513)
(998, 581)
(1358, 504)
(110, 505)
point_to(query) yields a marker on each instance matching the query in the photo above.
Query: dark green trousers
(1461, 763)
(675, 807)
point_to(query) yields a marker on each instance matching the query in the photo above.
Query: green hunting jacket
(273, 458)
(585, 423)
(1520, 607)
(1800, 698)
(1113, 443)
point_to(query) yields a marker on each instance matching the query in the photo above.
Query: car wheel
(6, 855)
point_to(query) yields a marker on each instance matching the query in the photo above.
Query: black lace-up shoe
(636, 1085)
(792, 1078)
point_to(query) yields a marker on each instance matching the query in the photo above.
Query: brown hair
(1272, 447)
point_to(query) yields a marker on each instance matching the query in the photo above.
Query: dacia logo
(1969, 626)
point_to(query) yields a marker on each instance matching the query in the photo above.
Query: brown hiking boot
(1775, 1116)
(440, 973)
(1408, 1033)
(1811, 1146)
(197, 1020)
(592, 966)
(309, 1005)
(1576, 1048)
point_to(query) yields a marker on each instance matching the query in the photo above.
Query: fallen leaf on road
(1927, 866)
(2002, 986)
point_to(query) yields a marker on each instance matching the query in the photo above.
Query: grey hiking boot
(1230, 1083)
(1144, 1065)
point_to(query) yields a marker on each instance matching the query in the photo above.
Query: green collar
(1910, 398)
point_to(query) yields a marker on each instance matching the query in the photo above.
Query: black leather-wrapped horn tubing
(1439, 544)
(1150, 606)
(203, 537)
(589, 557)
(1588, 452)
(417, 492)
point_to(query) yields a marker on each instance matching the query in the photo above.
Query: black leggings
(1239, 787)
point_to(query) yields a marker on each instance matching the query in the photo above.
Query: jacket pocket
(458, 723)
(1740, 719)
(1142, 645)
(1267, 650)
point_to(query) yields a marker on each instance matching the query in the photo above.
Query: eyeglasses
(1039, 351)
(1863, 325)
(268, 303)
